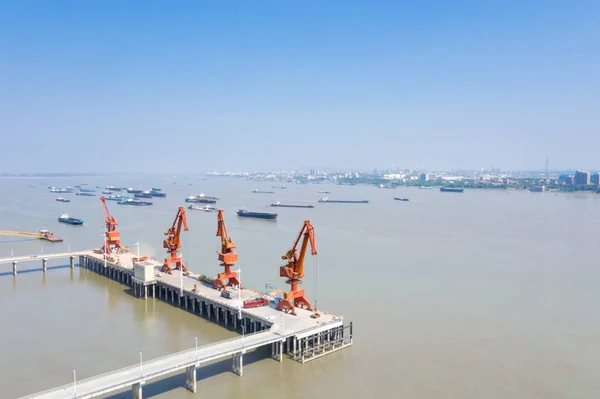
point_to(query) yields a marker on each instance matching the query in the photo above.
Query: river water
(485, 294)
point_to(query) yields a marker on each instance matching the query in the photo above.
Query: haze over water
(485, 294)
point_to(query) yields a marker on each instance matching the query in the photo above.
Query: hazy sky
(248, 85)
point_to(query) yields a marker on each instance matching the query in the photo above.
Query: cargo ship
(113, 188)
(258, 215)
(134, 191)
(106, 192)
(87, 190)
(452, 190)
(401, 199)
(279, 204)
(61, 190)
(145, 194)
(201, 199)
(257, 191)
(64, 218)
(157, 193)
(155, 189)
(61, 199)
(202, 208)
(325, 199)
(86, 194)
(118, 198)
(134, 202)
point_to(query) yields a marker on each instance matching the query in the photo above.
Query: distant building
(570, 180)
(424, 176)
(582, 178)
(595, 179)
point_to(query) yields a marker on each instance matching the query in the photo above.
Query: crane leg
(286, 306)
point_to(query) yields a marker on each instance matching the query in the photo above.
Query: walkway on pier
(140, 373)
(42, 256)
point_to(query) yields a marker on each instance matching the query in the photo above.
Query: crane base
(289, 305)
(166, 268)
(222, 283)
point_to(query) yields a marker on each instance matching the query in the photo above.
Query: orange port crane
(112, 236)
(294, 271)
(173, 243)
(227, 256)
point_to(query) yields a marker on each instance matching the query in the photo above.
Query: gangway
(46, 235)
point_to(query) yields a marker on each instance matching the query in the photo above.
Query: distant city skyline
(159, 86)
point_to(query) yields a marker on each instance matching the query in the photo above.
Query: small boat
(97, 186)
(65, 218)
(324, 192)
(388, 187)
(86, 194)
(133, 191)
(155, 189)
(452, 190)
(282, 186)
(259, 215)
(134, 202)
(401, 199)
(106, 192)
(426, 187)
(325, 199)
(87, 190)
(77, 186)
(202, 208)
(113, 188)
(61, 199)
(279, 204)
(257, 191)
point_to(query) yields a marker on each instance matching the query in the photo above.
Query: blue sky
(162, 86)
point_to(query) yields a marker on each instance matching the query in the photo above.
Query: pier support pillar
(14, 268)
(72, 262)
(145, 291)
(136, 391)
(238, 363)
(190, 378)
(277, 351)
(44, 265)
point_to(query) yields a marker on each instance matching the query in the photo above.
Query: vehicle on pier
(255, 302)
(226, 294)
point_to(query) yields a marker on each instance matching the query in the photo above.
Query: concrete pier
(304, 338)
(190, 378)
(136, 390)
(238, 363)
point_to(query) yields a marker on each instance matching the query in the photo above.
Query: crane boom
(294, 270)
(227, 256)
(173, 242)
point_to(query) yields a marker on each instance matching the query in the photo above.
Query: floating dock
(301, 337)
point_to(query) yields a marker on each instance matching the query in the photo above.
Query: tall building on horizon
(582, 178)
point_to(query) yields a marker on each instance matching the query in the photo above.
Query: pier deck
(301, 337)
